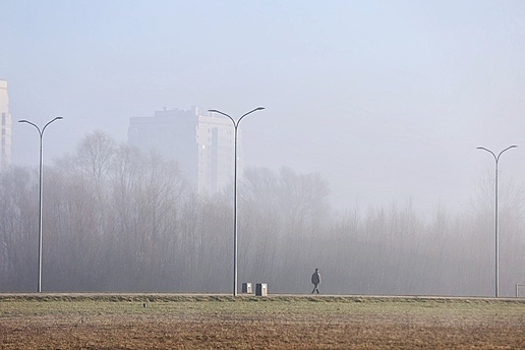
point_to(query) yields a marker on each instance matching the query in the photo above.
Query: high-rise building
(215, 137)
(5, 127)
(202, 144)
(171, 133)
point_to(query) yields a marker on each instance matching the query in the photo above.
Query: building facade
(5, 127)
(215, 139)
(201, 143)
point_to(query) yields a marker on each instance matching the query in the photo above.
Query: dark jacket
(316, 277)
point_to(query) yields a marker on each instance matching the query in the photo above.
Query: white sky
(387, 99)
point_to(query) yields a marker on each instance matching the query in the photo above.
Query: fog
(117, 219)
(384, 103)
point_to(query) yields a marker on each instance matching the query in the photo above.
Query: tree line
(118, 219)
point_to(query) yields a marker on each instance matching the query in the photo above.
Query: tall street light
(236, 126)
(496, 226)
(41, 192)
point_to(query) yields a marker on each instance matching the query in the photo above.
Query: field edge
(192, 297)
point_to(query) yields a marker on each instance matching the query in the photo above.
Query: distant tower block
(5, 127)
(202, 145)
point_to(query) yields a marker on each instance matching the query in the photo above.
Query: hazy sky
(387, 99)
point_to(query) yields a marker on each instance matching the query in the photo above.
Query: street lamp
(41, 192)
(235, 125)
(496, 226)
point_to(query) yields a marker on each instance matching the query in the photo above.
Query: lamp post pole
(496, 223)
(235, 126)
(40, 196)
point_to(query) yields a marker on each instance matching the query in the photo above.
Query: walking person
(316, 280)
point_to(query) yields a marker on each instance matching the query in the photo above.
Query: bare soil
(293, 322)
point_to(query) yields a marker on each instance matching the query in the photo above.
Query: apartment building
(5, 127)
(202, 144)
(215, 139)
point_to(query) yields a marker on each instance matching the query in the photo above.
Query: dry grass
(221, 322)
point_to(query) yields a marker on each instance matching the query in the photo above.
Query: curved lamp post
(41, 192)
(236, 126)
(496, 226)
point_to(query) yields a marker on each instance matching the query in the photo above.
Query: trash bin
(261, 289)
(246, 288)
